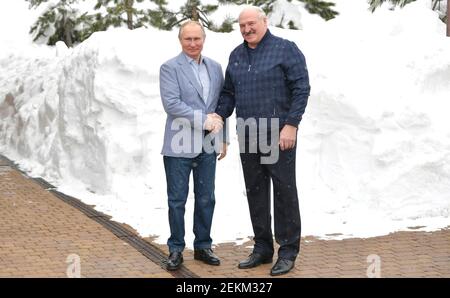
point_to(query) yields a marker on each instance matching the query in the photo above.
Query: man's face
(192, 40)
(253, 27)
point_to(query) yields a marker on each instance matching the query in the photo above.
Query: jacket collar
(188, 72)
(186, 68)
(185, 59)
(261, 43)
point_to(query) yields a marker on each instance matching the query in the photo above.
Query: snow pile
(374, 147)
(376, 143)
(90, 120)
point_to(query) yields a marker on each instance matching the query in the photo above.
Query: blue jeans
(178, 170)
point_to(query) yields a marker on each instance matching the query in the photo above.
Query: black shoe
(255, 259)
(207, 256)
(174, 261)
(282, 266)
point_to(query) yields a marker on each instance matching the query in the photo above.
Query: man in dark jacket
(267, 80)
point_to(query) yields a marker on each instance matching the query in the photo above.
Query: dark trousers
(257, 178)
(178, 170)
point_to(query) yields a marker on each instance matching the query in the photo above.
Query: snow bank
(375, 137)
(374, 147)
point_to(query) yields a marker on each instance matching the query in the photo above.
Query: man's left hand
(288, 136)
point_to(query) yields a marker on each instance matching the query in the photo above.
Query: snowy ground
(374, 144)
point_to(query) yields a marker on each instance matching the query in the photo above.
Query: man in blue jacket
(190, 85)
(267, 80)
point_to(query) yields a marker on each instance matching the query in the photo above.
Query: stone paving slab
(42, 236)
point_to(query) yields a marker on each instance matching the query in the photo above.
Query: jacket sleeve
(171, 98)
(296, 72)
(226, 102)
(225, 130)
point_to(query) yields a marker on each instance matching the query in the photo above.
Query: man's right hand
(213, 123)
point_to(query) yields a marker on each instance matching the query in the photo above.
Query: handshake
(213, 123)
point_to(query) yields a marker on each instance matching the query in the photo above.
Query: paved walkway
(401, 254)
(43, 236)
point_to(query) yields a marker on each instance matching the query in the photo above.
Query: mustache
(248, 33)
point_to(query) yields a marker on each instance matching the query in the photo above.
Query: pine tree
(191, 10)
(117, 9)
(63, 20)
(447, 17)
(322, 8)
(161, 17)
(60, 21)
(196, 11)
(226, 26)
(377, 3)
(266, 5)
(374, 4)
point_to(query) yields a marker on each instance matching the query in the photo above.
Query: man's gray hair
(261, 13)
(190, 22)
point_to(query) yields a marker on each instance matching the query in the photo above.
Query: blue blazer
(183, 102)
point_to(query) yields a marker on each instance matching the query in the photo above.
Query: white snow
(374, 144)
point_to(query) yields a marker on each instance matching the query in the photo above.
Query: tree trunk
(194, 14)
(129, 9)
(448, 18)
(67, 25)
